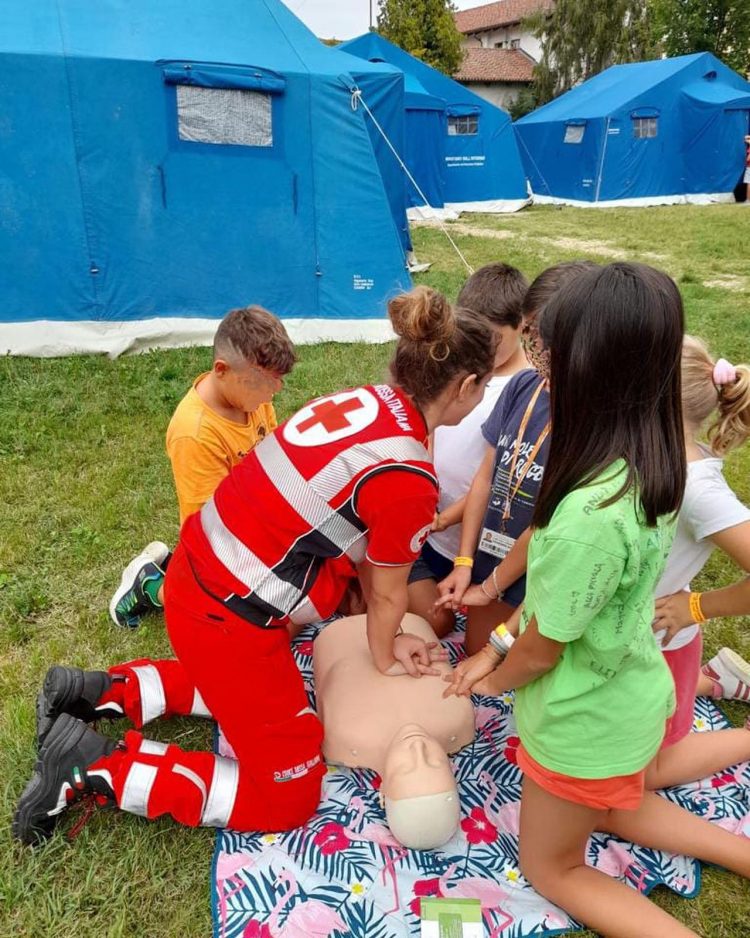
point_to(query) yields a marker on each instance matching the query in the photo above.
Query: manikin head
(419, 790)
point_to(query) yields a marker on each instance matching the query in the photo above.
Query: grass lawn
(85, 483)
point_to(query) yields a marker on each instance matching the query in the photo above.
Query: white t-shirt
(456, 454)
(709, 506)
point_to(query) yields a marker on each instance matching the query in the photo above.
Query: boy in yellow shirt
(225, 413)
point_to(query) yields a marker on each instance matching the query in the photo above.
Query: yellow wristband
(695, 608)
(501, 639)
(463, 562)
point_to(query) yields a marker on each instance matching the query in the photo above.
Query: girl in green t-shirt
(593, 690)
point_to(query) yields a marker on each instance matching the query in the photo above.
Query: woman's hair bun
(437, 344)
(422, 315)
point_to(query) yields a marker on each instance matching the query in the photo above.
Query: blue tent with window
(459, 148)
(163, 162)
(651, 132)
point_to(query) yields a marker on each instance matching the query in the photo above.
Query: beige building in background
(499, 51)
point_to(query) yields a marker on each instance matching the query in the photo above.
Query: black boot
(73, 691)
(61, 777)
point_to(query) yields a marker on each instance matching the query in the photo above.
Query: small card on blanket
(339, 875)
(451, 918)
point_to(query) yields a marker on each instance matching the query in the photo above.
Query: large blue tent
(163, 162)
(459, 148)
(651, 132)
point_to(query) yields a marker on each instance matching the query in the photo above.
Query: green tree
(581, 38)
(424, 28)
(719, 26)
(524, 103)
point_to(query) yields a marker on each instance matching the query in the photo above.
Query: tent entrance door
(714, 159)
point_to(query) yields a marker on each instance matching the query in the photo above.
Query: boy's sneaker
(72, 691)
(61, 777)
(139, 586)
(729, 674)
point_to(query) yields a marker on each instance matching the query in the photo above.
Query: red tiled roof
(494, 65)
(502, 13)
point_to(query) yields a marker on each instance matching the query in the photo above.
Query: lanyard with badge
(498, 543)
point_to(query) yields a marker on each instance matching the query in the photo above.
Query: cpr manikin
(399, 726)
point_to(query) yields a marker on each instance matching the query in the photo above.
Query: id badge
(496, 544)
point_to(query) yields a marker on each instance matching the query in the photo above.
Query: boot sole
(32, 824)
(44, 721)
(62, 692)
(56, 694)
(58, 690)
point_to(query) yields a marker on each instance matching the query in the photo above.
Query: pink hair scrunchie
(724, 373)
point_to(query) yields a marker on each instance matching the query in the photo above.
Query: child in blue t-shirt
(497, 515)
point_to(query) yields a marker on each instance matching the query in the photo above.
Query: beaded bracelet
(695, 608)
(463, 562)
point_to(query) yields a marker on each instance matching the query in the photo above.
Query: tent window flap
(645, 128)
(224, 115)
(209, 75)
(467, 126)
(574, 133)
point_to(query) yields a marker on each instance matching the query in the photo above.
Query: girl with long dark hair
(593, 690)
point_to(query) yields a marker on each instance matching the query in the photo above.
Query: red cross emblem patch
(332, 418)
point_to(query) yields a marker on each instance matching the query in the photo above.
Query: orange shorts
(623, 792)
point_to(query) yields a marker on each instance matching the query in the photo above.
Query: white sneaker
(730, 675)
(131, 601)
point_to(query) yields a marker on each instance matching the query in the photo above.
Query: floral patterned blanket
(343, 873)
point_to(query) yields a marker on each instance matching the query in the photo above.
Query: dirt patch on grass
(606, 249)
(499, 234)
(566, 244)
(728, 282)
(587, 247)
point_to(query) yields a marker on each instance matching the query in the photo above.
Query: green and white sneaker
(139, 586)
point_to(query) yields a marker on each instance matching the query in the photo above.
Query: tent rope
(541, 174)
(357, 98)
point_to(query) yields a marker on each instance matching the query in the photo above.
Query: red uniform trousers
(246, 678)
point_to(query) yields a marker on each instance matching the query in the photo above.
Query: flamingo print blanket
(343, 875)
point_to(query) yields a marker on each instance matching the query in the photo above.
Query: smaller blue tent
(646, 133)
(459, 148)
(424, 143)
